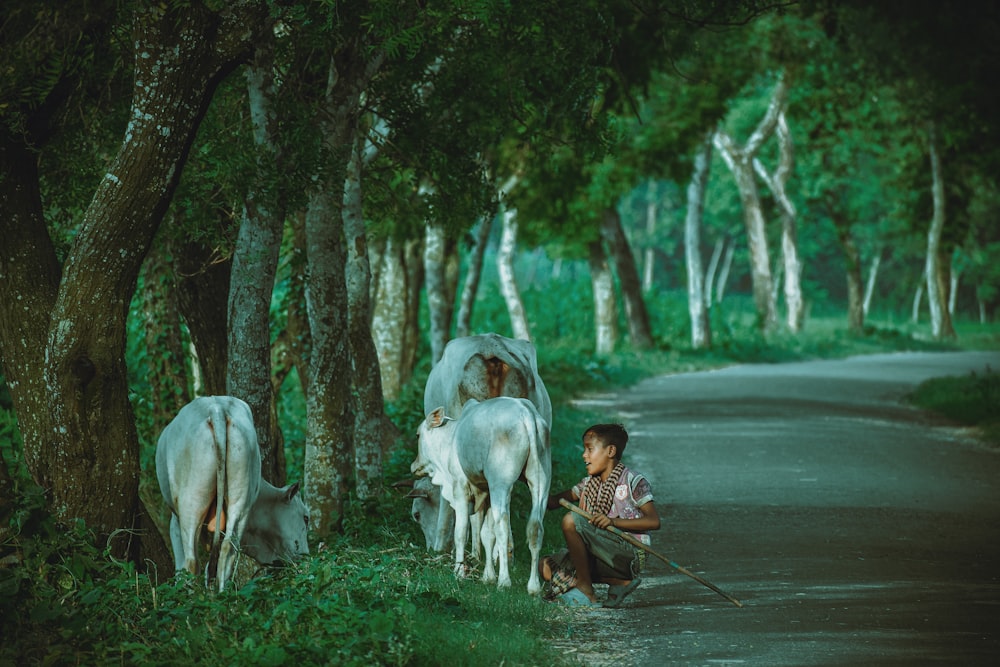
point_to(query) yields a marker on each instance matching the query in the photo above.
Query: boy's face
(598, 456)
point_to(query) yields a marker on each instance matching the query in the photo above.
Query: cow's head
(278, 527)
(434, 441)
(436, 518)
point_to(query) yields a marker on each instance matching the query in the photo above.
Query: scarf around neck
(598, 495)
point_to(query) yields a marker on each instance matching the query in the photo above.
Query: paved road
(854, 529)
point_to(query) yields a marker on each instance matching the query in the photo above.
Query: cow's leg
(489, 541)
(184, 556)
(500, 514)
(461, 528)
(236, 522)
(444, 516)
(477, 528)
(536, 530)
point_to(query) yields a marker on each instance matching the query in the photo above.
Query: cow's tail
(220, 437)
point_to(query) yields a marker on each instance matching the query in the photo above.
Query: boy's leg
(578, 554)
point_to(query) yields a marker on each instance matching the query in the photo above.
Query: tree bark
(508, 284)
(628, 277)
(870, 283)
(86, 449)
(789, 234)
(605, 308)
(474, 272)
(727, 263)
(740, 163)
(852, 261)
(255, 263)
(201, 277)
(934, 271)
(330, 425)
(713, 269)
(649, 255)
(440, 304)
(369, 409)
(701, 333)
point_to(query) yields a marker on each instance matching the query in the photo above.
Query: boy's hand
(601, 521)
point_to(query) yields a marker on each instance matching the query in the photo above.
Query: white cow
(483, 366)
(478, 458)
(207, 452)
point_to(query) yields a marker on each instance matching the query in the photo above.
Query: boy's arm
(553, 502)
(649, 520)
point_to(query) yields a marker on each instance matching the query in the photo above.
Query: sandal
(574, 597)
(617, 594)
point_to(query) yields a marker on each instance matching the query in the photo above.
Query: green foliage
(971, 400)
(356, 602)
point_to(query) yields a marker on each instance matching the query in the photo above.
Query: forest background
(295, 203)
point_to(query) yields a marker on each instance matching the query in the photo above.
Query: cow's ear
(418, 493)
(291, 491)
(436, 417)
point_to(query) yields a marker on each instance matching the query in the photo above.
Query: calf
(208, 467)
(482, 367)
(478, 458)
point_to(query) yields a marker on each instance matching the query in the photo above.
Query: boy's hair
(610, 434)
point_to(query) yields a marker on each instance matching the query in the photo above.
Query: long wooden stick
(631, 540)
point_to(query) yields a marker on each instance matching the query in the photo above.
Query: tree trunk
(727, 263)
(255, 263)
(389, 317)
(463, 327)
(740, 163)
(439, 303)
(713, 269)
(87, 453)
(649, 255)
(953, 281)
(701, 333)
(937, 285)
(201, 277)
(508, 285)
(330, 425)
(605, 309)
(366, 378)
(789, 232)
(852, 263)
(918, 295)
(628, 277)
(870, 283)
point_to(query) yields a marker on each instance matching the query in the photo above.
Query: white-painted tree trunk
(776, 183)
(727, 263)
(740, 163)
(701, 333)
(870, 283)
(474, 271)
(505, 268)
(649, 256)
(605, 308)
(937, 288)
(439, 306)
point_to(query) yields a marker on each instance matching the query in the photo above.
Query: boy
(615, 496)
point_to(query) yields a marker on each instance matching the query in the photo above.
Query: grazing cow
(483, 366)
(477, 459)
(427, 511)
(208, 466)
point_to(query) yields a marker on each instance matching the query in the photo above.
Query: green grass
(374, 596)
(970, 400)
